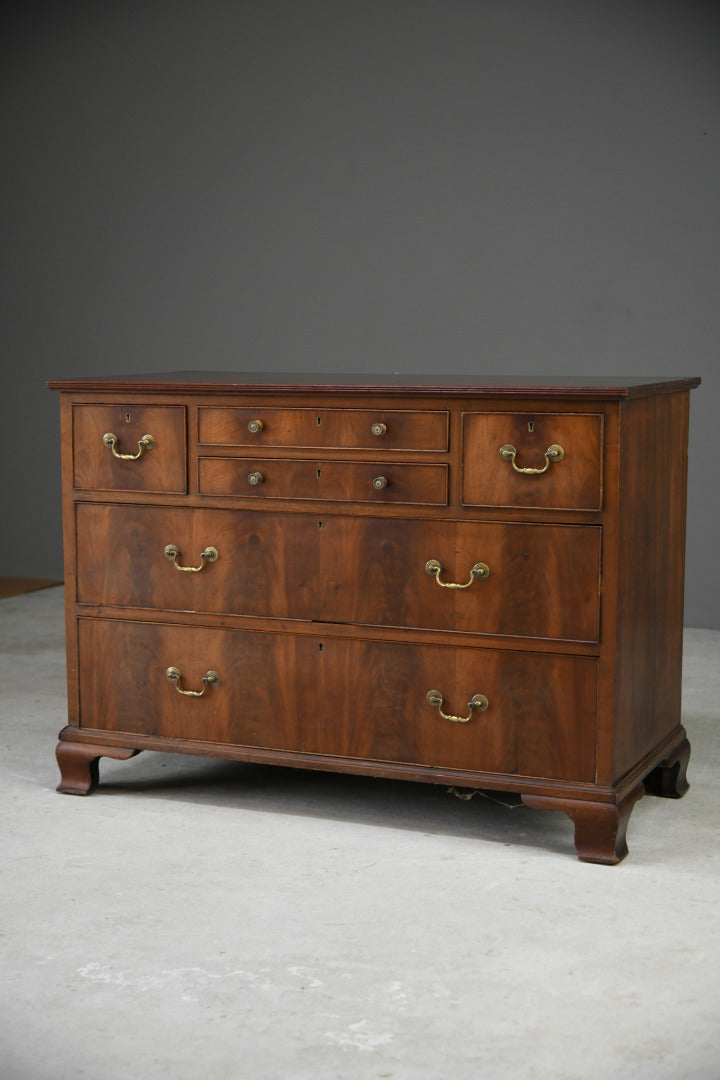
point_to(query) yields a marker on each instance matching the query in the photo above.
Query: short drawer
(362, 429)
(343, 481)
(130, 448)
(481, 578)
(531, 715)
(543, 460)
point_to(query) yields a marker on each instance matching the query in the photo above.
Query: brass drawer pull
(479, 703)
(255, 478)
(379, 483)
(479, 572)
(210, 679)
(553, 453)
(379, 429)
(255, 426)
(209, 555)
(146, 443)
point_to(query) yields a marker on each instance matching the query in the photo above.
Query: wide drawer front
(341, 481)
(493, 578)
(363, 429)
(530, 715)
(135, 448)
(544, 460)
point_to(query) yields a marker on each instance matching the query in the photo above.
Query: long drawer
(485, 710)
(376, 429)
(491, 578)
(341, 481)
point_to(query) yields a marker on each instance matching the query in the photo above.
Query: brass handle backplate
(379, 428)
(145, 443)
(477, 703)
(174, 675)
(553, 453)
(479, 572)
(209, 555)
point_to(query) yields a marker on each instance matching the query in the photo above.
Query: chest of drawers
(467, 582)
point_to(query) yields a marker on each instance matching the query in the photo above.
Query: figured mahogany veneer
(325, 428)
(325, 558)
(342, 481)
(471, 584)
(577, 485)
(164, 468)
(373, 695)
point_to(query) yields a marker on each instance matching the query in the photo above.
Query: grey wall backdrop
(501, 186)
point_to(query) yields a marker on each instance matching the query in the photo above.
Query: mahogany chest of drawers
(467, 582)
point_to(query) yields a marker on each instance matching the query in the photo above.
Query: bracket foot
(600, 828)
(669, 778)
(79, 765)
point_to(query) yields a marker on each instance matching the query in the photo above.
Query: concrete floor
(203, 919)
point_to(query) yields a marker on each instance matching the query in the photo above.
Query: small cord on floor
(510, 801)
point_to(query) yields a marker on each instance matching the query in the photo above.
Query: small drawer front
(491, 711)
(130, 448)
(343, 481)
(362, 429)
(543, 460)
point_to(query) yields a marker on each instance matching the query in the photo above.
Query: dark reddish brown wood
(343, 481)
(79, 765)
(669, 778)
(266, 565)
(162, 468)
(543, 580)
(343, 697)
(319, 615)
(226, 383)
(650, 575)
(374, 571)
(600, 827)
(573, 483)
(325, 428)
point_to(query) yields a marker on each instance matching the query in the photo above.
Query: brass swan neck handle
(111, 440)
(209, 555)
(479, 572)
(174, 675)
(553, 453)
(478, 702)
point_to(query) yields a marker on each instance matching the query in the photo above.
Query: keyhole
(320, 647)
(319, 421)
(320, 525)
(531, 425)
(318, 474)
(127, 417)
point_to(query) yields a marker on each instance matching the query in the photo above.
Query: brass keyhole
(531, 425)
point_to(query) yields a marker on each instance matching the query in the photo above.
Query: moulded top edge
(390, 383)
